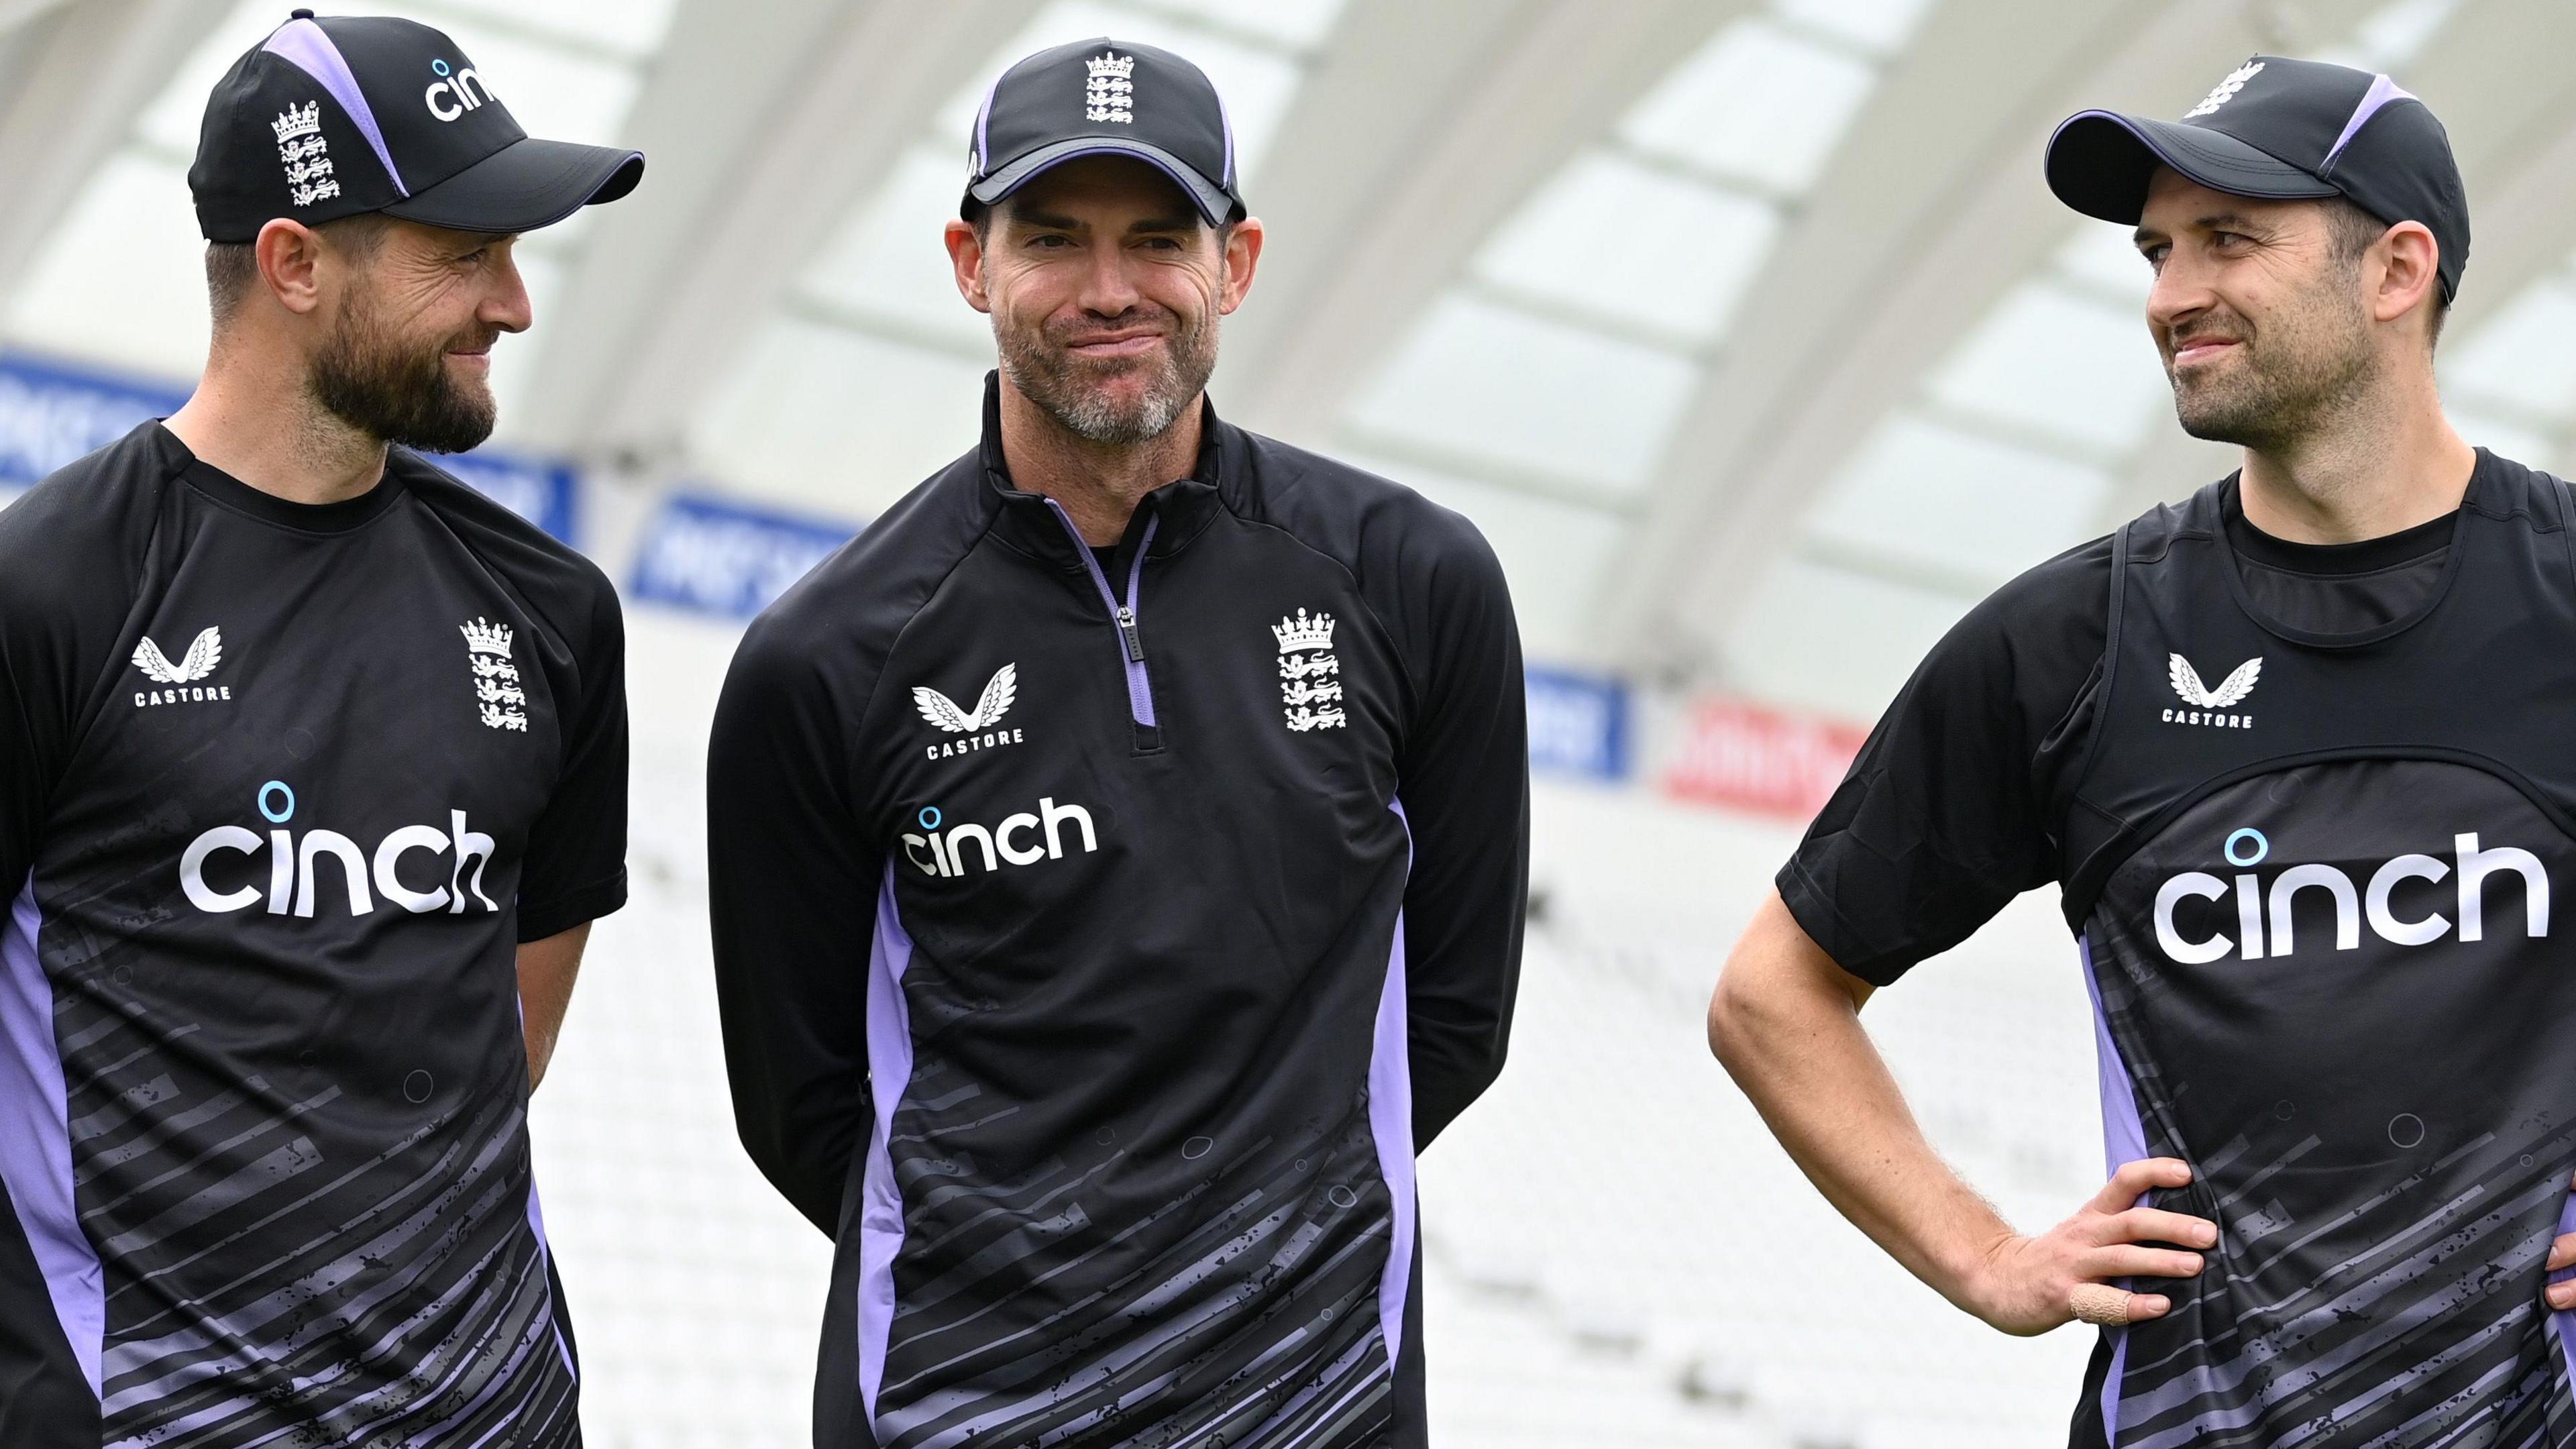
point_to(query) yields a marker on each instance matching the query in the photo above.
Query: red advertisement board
(1770, 761)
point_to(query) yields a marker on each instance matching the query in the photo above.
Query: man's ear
(966, 259)
(2410, 270)
(1242, 258)
(290, 260)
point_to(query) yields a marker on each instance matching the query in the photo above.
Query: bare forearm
(547, 969)
(1785, 1021)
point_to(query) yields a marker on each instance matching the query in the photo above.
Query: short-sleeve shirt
(282, 789)
(1956, 802)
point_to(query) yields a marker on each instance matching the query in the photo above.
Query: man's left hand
(2562, 1255)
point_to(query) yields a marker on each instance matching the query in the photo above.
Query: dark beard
(1065, 387)
(397, 389)
(2310, 362)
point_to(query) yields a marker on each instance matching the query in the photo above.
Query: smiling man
(2314, 899)
(1117, 853)
(312, 778)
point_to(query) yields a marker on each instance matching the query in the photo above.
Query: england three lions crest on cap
(1310, 686)
(1110, 95)
(305, 154)
(497, 696)
(2224, 91)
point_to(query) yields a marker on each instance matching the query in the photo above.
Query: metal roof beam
(1419, 131)
(75, 77)
(1932, 210)
(759, 139)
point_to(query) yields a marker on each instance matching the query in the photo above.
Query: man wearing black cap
(312, 776)
(2295, 751)
(1118, 852)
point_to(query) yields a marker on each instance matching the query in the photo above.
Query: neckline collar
(1183, 506)
(2452, 528)
(241, 497)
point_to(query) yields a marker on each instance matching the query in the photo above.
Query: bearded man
(1118, 852)
(312, 778)
(2313, 899)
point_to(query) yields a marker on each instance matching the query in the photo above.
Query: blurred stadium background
(1744, 328)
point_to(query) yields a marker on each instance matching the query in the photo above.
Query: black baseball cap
(350, 114)
(1105, 97)
(2278, 129)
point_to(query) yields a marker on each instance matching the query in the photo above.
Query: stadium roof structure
(1746, 329)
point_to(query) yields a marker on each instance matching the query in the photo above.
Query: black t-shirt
(282, 789)
(1952, 807)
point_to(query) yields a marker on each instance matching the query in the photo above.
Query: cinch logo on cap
(453, 94)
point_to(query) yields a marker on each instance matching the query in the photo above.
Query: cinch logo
(293, 878)
(2256, 928)
(946, 852)
(453, 96)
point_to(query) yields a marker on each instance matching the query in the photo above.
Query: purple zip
(1131, 644)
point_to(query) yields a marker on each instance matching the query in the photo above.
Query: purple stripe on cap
(1225, 119)
(35, 1139)
(2382, 91)
(304, 45)
(1390, 1110)
(984, 128)
(889, 1038)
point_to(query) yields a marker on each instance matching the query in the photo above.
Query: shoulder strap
(2120, 547)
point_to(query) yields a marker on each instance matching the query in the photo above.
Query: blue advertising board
(541, 492)
(721, 558)
(1578, 724)
(52, 413)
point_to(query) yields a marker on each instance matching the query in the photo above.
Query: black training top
(2312, 874)
(282, 788)
(1096, 946)
(1953, 806)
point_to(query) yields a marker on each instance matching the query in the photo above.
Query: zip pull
(1127, 632)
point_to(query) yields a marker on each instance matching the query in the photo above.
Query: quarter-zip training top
(1097, 945)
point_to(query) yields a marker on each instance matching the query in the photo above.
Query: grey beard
(1058, 386)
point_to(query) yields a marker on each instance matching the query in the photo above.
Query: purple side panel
(35, 1138)
(1391, 1124)
(2111, 1386)
(881, 1205)
(304, 45)
(2564, 1320)
(2124, 1136)
(2382, 91)
(546, 1257)
(2124, 1140)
